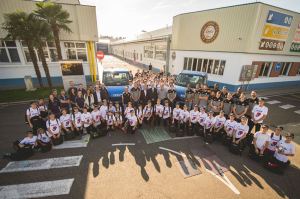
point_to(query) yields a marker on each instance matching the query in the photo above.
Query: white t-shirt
(202, 118)
(110, 119)
(132, 120)
(43, 137)
(194, 115)
(103, 111)
(259, 112)
(54, 126)
(147, 111)
(29, 141)
(77, 119)
(32, 112)
(288, 148)
(96, 116)
(43, 108)
(274, 141)
(261, 139)
(167, 112)
(127, 111)
(176, 113)
(241, 130)
(219, 121)
(209, 122)
(159, 109)
(230, 126)
(184, 115)
(66, 120)
(86, 117)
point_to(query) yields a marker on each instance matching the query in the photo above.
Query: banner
(275, 32)
(72, 71)
(295, 46)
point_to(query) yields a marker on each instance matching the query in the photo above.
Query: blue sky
(129, 17)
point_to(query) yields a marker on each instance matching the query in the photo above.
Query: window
(298, 73)
(216, 67)
(285, 68)
(116, 78)
(184, 79)
(185, 63)
(222, 67)
(199, 64)
(190, 64)
(210, 65)
(204, 65)
(49, 50)
(161, 52)
(9, 52)
(265, 69)
(194, 64)
(148, 51)
(141, 58)
(76, 50)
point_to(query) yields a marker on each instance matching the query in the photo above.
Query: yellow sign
(275, 32)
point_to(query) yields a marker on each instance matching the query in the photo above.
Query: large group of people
(150, 99)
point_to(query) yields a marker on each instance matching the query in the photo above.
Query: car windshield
(184, 79)
(116, 78)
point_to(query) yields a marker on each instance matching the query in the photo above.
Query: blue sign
(279, 18)
(277, 67)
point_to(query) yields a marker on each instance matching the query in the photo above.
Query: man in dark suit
(144, 95)
(97, 95)
(152, 93)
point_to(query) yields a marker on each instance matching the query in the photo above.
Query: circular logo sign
(209, 32)
(173, 55)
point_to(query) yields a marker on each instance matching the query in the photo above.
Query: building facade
(15, 62)
(257, 40)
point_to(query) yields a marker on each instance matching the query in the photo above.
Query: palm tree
(57, 18)
(19, 25)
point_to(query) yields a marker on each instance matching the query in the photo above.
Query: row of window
(211, 66)
(266, 68)
(158, 52)
(73, 50)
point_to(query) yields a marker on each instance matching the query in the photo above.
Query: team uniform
(219, 125)
(44, 142)
(239, 134)
(273, 144)
(240, 107)
(261, 140)
(87, 119)
(194, 117)
(176, 116)
(184, 119)
(158, 112)
(76, 118)
(110, 120)
(67, 127)
(54, 127)
(204, 98)
(147, 112)
(103, 112)
(201, 121)
(34, 116)
(216, 105)
(131, 124)
(287, 148)
(227, 106)
(96, 118)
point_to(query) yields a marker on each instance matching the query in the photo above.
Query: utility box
(28, 83)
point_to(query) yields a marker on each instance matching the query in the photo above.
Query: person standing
(240, 107)
(104, 92)
(126, 97)
(150, 67)
(228, 105)
(162, 92)
(171, 95)
(34, 117)
(89, 100)
(216, 103)
(144, 95)
(135, 94)
(203, 97)
(152, 93)
(189, 95)
(54, 106)
(97, 95)
(79, 100)
(252, 101)
(64, 100)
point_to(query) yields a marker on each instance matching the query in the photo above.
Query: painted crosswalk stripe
(287, 106)
(123, 144)
(298, 112)
(83, 142)
(50, 163)
(37, 189)
(273, 102)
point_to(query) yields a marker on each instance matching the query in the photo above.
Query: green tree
(19, 26)
(57, 18)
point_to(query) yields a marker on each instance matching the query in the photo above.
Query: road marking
(123, 144)
(37, 189)
(291, 93)
(74, 143)
(186, 137)
(172, 151)
(298, 112)
(287, 106)
(51, 163)
(273, 102)
(226, 181)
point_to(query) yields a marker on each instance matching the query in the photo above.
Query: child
(194, 117)
(111, 107)
(128, 109)
(229, 127)
(96, 118)
(103, 110)
(43, 112)
(184, 117)
(148, 112)
(110, 120)
(119, 120)
(66, 124)
(54, 129)
(118, 108)
(176, 115)
(166, 114)
(77, 123)
(158, 110)
(219, 124)
(87, 120)
(202, 118)
(33, 117)
(24, 148)
(131, 123)
(43, 141)
(139, 114)
(274, 140)
(241, 130)
(208, 124)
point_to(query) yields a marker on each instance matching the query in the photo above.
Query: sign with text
(275, 32)
(72, 71)
(268, 44)
(279, 18)
(295, 46)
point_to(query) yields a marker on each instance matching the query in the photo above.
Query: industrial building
(255, 45)
(15, 61)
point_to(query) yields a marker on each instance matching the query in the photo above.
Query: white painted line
(287, 106)
(51, 163)
(37, 189)
(123, 144)
(273, 102)
(74, 143)
(172, 151)
(183, 138)
(298, 112)
(226, 181)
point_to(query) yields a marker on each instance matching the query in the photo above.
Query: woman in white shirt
(76, 120)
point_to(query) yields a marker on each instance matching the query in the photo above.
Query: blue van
(115, 80)
(188, 77)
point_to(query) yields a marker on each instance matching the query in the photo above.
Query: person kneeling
(208, 127)
(131, 123)
(24, 148)
(86, 119)
(66, 125)
(54, 129)
(260, 143)
(43, 141)
(241, 130)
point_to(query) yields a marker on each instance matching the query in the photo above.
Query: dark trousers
(157, 120)
(251, 125)
(166, 121)
(130, 129)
